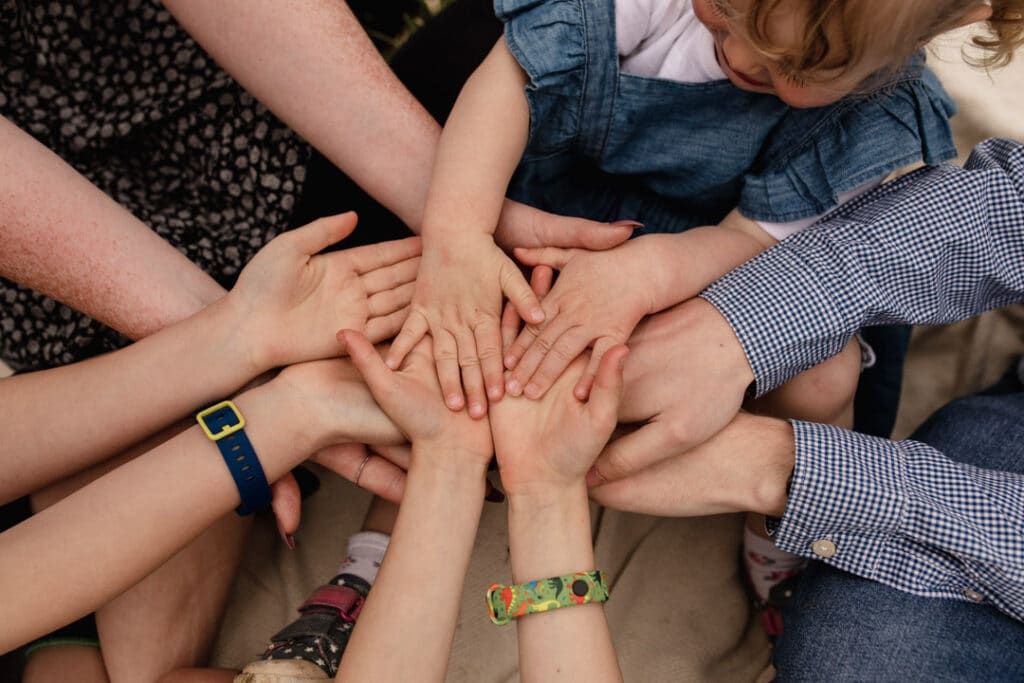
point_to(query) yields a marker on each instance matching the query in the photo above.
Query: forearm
(939, 245)
(59, 421)
(682, 265)
(904, 514)
(481, 145)
(415, 599)
(131, 520)
(550, 535)
(65, 238)
(313, 65)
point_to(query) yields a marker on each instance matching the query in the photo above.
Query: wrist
(241, 338)
(278, 406)
(450, 461)
(769, 489)
(712, 326)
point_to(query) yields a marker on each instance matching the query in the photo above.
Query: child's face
(749, 69)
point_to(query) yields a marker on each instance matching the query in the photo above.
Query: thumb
(519, 294)
(369, 363)
(314, 237)
(603, 405)
(553, 257)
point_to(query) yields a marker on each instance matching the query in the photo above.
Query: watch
(224, 425)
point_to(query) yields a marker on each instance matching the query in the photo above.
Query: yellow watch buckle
(226, 430)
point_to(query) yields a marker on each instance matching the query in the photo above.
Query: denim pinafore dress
(607, 145)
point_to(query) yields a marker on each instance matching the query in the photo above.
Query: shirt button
(824, 548)
(973, 596)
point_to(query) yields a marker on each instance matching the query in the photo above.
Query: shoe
(310, 648)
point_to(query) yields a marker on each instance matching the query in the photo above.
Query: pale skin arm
(465, 275)
(65, 238)
(436, 526)
(133, 519)
(600, 297)
(284, 309)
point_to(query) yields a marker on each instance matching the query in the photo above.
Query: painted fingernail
(627, 224)
(494, 496)
(289, 540)
(513, 387)
(532, 390)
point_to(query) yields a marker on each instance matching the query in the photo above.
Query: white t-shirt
(664, 39)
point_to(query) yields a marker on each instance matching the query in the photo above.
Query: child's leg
(65, 663)
(310, 648)
(824, 394)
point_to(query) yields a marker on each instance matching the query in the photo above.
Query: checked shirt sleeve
(936, 246)
(903, 514)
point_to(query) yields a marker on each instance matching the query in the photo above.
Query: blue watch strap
(224, 425)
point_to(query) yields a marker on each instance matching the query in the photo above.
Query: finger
(446, 357)
(658, 490)
(472, 377)
(378, 476)
(540, 281)
(368, 362)
(582, 389)
(539, 348)
(385, 327)
(603, 406)
(545, 256)
(631, 453)
(316, 236)
(412, 332)
(488, 349)
(391, 300)
(510, 322)
(517, 291)
(558, 357)
(515, 354)
(389, 277)
(597, 236)
(375, 256)
(286, 504)
(399, 455)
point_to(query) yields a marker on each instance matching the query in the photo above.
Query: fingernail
(476, 410)
(510, 362)
(627, 224)
(514, 388)
(495, 393)
(532, 390)
(453, 401)
(494, 496)
(538, 315)
(289, 540)
(391, 363)
(593, 478)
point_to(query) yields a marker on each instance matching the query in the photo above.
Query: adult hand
(684, 381)
(744, 467)
(524, 226)
(293, 299)
(550, 443)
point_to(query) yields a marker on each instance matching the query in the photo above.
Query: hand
(411, 396)
(745, 467)
(684, 381)
(458, 300)
(524, 226)
(598, 299)
(552, 442)
(295, 299)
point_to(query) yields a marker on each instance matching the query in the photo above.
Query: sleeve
(936, 246)
(905, 515)
(547, 38)
(814, 156)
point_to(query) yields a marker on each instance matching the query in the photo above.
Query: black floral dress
(121, 92)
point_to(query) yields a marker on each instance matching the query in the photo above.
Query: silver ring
(362, 466)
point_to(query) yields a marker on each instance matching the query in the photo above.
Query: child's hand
(294, 299)
(411, 396)
(458, 301)
(598, 299)
(552, 442)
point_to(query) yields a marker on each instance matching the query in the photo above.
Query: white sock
(365, 553)
(766, 564)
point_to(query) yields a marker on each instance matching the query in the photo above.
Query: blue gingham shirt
(939, 245)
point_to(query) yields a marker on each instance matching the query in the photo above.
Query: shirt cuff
(781, 312)
(846, 500)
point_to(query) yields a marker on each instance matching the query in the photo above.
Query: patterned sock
(365, 553)
(766, 565)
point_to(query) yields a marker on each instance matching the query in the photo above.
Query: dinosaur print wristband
(508, 602)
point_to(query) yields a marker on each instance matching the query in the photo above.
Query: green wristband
(508, 602)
